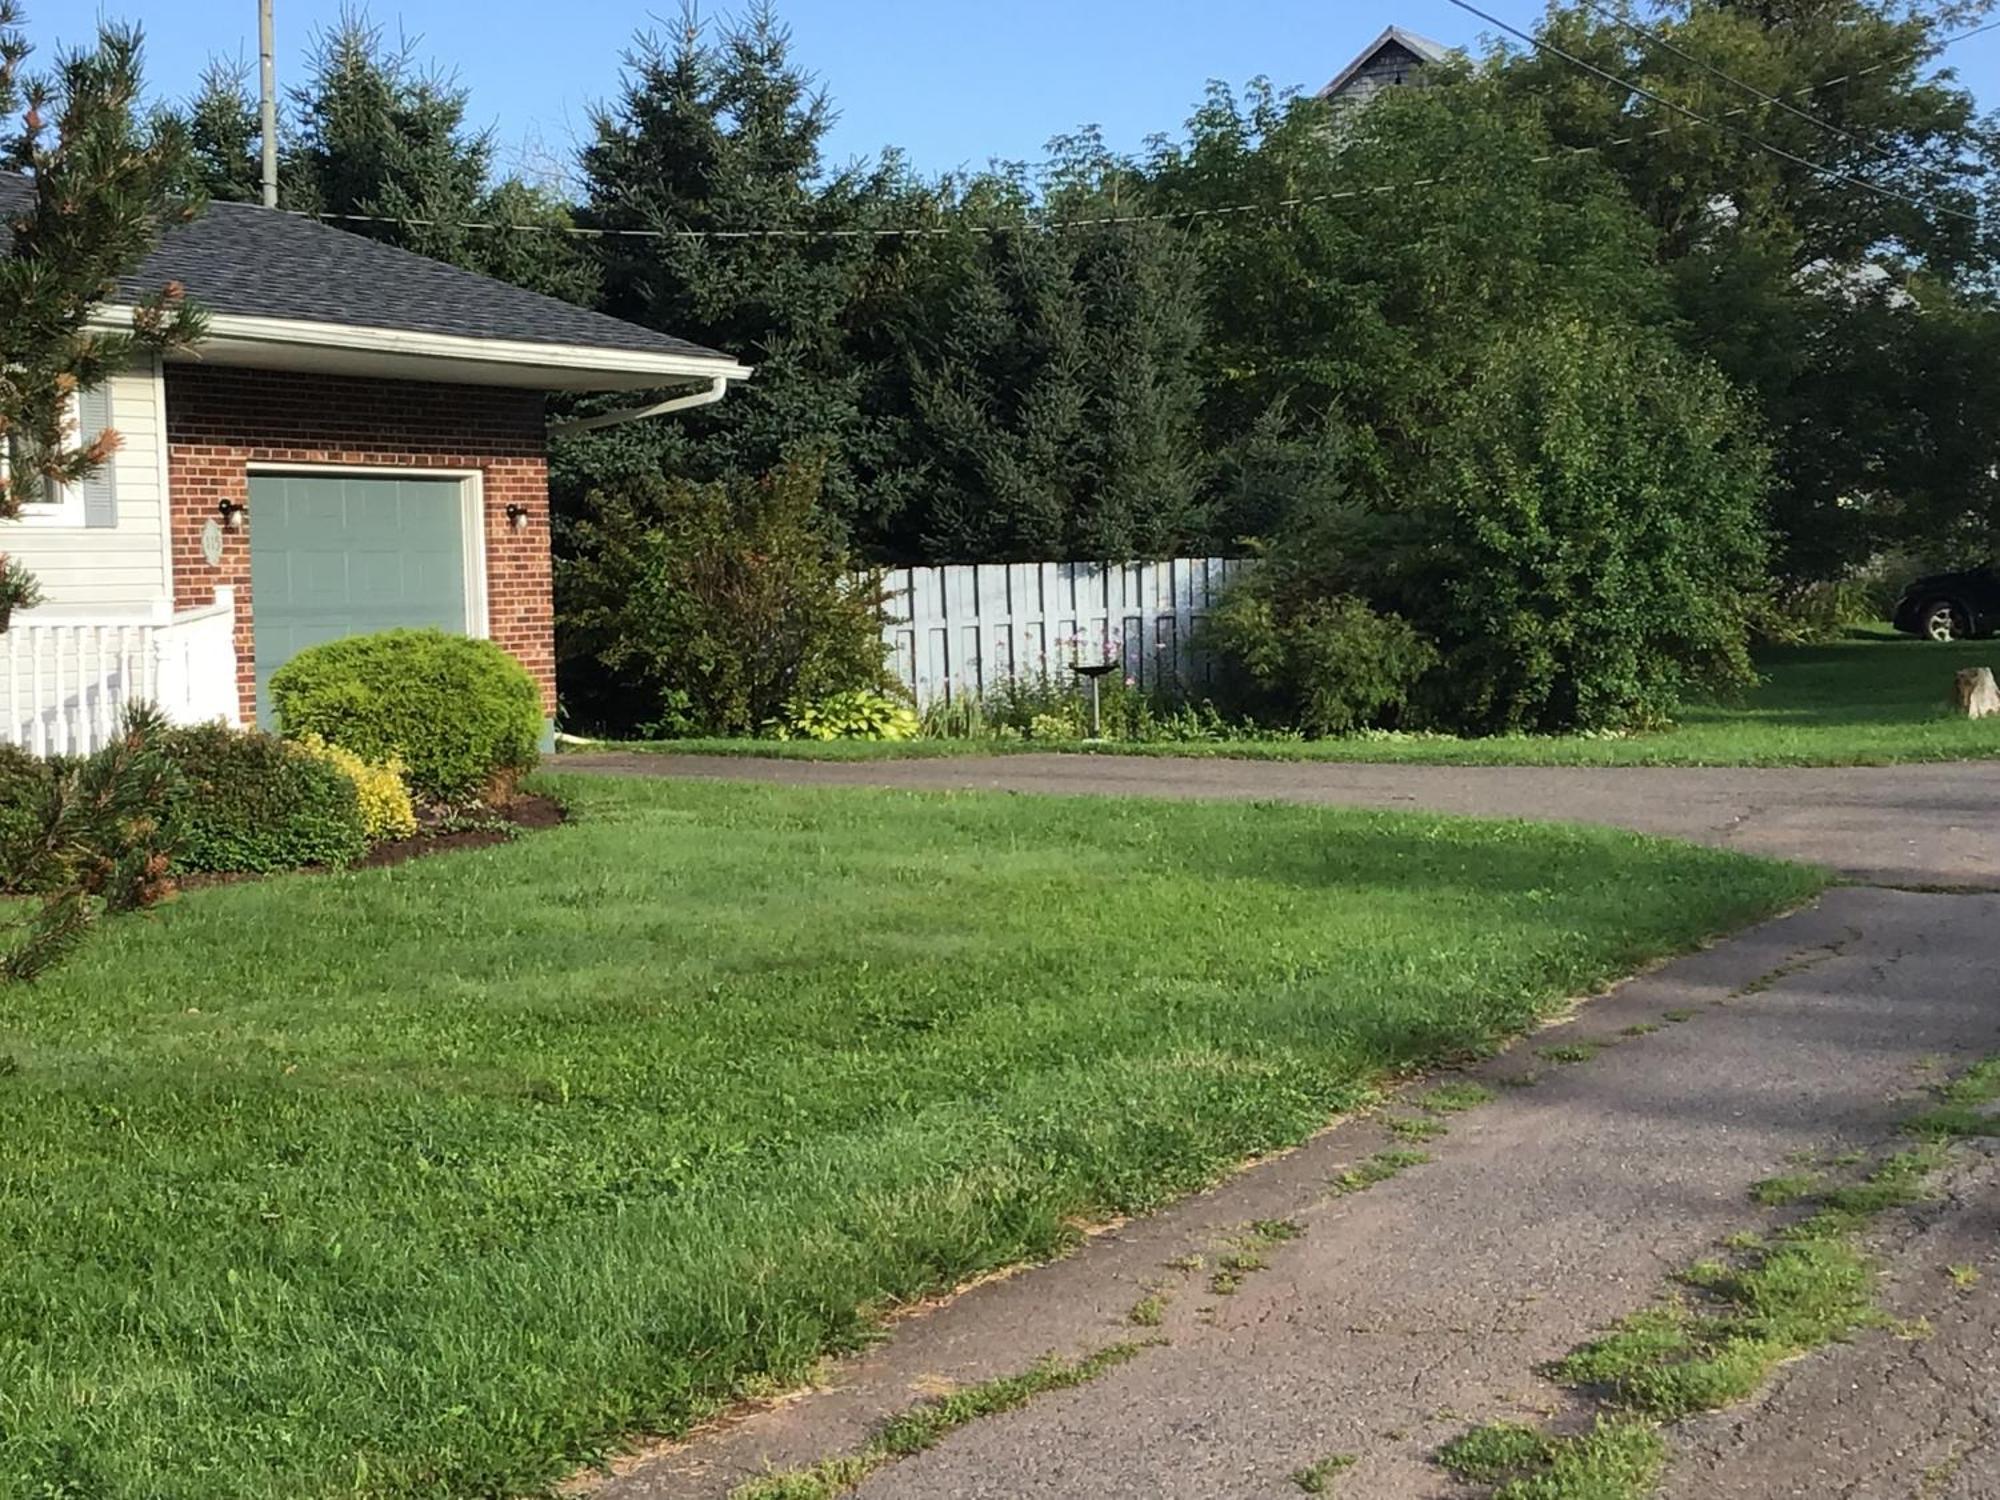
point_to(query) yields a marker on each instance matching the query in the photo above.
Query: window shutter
(100, 486)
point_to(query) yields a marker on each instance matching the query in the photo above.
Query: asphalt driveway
(1400, 1316)
(1929, 826)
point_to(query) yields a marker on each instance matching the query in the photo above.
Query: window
(43, 501)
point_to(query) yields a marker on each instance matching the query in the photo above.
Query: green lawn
(430, 1181)
(1877, 699)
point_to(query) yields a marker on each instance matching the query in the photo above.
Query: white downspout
(717, 387)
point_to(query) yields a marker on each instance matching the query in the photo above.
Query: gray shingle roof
(242, 259)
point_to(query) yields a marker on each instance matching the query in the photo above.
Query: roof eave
(397, 353)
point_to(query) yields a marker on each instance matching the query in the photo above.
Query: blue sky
(952, 82)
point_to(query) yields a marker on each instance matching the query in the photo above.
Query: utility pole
(267, 69)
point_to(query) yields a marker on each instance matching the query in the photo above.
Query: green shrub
(1580, 535)
(706, 608)
(249, 803)
(1589, 545)
(461, 715)
(386, 809)
(26, 783)
(1812, 613)
(857, 715)
(1326, 665)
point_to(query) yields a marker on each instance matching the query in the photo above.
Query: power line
(1932, 50)
(1196, 215)
(1819, 168)
(1966, 36)
(918, 231)
(931, 231)
(1756, 93)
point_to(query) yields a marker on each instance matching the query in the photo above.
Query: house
(1394, 59)
(359, 443)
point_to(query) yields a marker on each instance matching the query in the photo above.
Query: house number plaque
(211, 543)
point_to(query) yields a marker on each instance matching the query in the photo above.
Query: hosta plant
(859, 714)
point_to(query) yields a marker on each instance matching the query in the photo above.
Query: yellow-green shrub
(386, 809)
(861, 714)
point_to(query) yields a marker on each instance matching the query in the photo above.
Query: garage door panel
(333, 556)
(313, 581)
(376, 511)
(376, 578)
(433, 578)
(311, 508)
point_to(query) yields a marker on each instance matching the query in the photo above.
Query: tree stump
(1977, 695)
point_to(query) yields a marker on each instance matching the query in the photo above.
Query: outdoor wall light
(517, 517)
(231, 512)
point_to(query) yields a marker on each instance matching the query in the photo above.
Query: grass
(1615, 1460)
(1966, 1106)
(436, 1180)
(926, 1425)
(1672, 1361)
(1378, 1168)
(1569, 1052)
(1317, 1477)
(1771, 1302)
(1789, 1187)
(1717, 1341)
(1453, 1098)
(1876, 698)
(1410, 1129)
(1232, 1269)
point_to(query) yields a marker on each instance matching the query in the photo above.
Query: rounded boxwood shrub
(461, 715)
(252, 804)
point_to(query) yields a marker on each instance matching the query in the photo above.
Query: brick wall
(221, 421)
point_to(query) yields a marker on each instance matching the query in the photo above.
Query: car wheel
(1942, 620)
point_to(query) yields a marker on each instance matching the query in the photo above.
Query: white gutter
(718, 386)
(242, 328)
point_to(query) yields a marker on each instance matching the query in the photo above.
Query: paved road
(1408, 1312)
(1929, 825)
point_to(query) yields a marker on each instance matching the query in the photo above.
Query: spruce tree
(103, 184)
(719, 130)
(376, 134)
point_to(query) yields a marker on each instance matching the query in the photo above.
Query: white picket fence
(66, 680)
(960, 630)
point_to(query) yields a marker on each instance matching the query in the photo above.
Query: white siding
(110, 569)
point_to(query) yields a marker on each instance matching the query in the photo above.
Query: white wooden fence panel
(68, 680)
(962, 630)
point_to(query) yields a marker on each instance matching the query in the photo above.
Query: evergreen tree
(1047, 382)
(722, 132)
(375, 134)
(224, 135)
(104, 184)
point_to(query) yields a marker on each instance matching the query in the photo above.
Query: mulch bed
(522, 815)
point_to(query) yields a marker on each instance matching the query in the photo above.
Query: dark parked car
(1951, 606)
